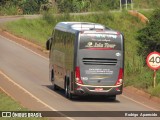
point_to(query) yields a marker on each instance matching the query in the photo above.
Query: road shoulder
(18, 94)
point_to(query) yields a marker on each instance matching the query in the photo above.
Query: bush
(86, 5)
(72, 5)
(48, 17)
(8, 7)
(149, 36)
(12, 7)
(30, 7)
(155, 91)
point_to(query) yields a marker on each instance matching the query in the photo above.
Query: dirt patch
(135, 91)
(139, 16)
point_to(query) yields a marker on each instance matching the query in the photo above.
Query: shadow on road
(89, 98)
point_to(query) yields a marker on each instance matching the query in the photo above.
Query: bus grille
(99, 61)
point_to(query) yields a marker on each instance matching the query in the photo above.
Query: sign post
(153, 62)
(154, 79)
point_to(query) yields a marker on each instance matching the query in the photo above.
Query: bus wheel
(67, 91)
(112, 97)
(55, 87)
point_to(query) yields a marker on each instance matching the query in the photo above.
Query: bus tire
(54, 86)
(68, 94)
(112, 97)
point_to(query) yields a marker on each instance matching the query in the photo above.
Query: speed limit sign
(153, 60)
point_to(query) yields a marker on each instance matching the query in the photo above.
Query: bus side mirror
(48, 44)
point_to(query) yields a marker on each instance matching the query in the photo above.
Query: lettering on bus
(100, 45)
(99, 71)
(100, 41)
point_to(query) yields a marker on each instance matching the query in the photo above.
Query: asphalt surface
(13, 18)
(28, 72)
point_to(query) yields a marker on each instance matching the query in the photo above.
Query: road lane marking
(38, 100)
(139, 103)
(25, 48)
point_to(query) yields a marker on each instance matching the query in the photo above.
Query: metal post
(126, 4)
(154, 79)
(120, 2)
(131, 4)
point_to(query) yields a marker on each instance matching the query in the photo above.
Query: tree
(31, 6)
(85, 5)
(27, 6)
(149, 37)
(72, 5)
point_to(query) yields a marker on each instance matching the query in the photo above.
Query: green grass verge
(146, 4)
(8, 104)
(35, 30)
(155, 91)
(146, 13)
(136, 73)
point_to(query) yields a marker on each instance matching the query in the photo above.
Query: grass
(8, 104)
(146, 4)
(155, 91)
(35, 30)
(8, 9)
(147, 13)
(136, 73)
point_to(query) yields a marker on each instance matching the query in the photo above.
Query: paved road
(4, 19)
(30, 71)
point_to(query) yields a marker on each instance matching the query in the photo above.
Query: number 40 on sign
(153, 62)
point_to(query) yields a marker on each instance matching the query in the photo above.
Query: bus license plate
(98, 89)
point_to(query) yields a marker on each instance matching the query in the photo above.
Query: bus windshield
(100, 41)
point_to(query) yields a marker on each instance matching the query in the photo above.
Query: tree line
(22, 6)
(35, 6)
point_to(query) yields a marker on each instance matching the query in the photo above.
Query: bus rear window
(100, 41)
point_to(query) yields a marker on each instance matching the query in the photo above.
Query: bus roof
(82, 26)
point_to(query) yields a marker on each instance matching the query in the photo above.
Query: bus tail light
(78, 76)
(120, 77)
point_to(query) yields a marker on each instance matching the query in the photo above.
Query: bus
(86, 59)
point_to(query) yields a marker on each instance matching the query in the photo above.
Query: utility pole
(120, 2)
(126, 4)
(132, 4)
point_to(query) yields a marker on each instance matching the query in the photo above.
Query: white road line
(25, 48)
(38, 100)
(139, 103)
(7, 93)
